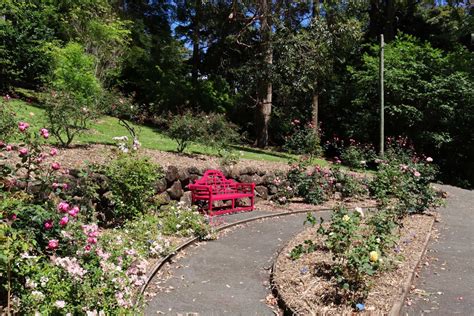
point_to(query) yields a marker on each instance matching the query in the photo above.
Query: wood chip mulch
(309, 293)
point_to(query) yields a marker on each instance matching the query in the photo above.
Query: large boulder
(183, 176)
(261, 192)
(186, 198)
(176, 190)
(161, 185)
(172, 174)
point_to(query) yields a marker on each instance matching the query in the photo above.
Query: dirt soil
(309, 294)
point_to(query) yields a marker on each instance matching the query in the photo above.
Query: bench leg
(252, 202)
(210, 207)
(233, 204)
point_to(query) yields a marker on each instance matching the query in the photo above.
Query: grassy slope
(103, 130)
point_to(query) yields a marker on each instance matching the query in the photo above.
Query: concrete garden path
(446, 283)
(229, 276)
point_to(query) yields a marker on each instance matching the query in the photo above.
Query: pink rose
(94, 233)
(23, 126)
(44, 132)
(63, 207)
(13, 217)
(53, 244)
(9, 148)
(416, 174)
(92, 240)
(53, 152)
(65, 186)
(74, 211)
(63, 221)
(55, 166)
(429, 159)
(87, 248)
(48, 224)
(55, 185)
(23, 151)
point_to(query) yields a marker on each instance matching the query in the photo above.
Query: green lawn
(103, 130)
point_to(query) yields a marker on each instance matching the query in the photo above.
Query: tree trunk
(315, 112)
(264, 89)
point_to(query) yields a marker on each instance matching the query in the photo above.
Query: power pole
(382, 118)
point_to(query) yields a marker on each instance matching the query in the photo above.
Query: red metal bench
(213, 186)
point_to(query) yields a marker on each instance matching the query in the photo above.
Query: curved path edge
(193, 240)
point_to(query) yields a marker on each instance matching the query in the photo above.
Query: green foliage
(178, 219)
(301, 249)
(318, 185)
(356, 250)
(185, 129)
(130, 180)
(409, 183)
(357, 156)
(349, 185)
(7, 120)
(211, 129)
(427, 96)
(303, 140)
(74, 102)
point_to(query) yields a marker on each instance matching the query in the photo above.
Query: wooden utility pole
(382, 118)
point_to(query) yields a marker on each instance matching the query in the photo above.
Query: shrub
(185, 129)
(52, 262)
(210, 129)
(408, 184)
(178, 219)
(131, 181)
(303, 140)
(357, 250)
(75, 93)
(357, 156)
(348, 185)
(219, 133)
(318, 185)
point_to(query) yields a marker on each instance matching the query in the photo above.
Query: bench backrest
(213, 178)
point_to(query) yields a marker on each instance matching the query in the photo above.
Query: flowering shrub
(53, 260)
(351, 153)
(178, 219)
(408, 184)
(317, 185)
(357, 247)
(303, 140)
(285, 192)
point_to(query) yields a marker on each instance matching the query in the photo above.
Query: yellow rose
(345, 218)
(374, 256)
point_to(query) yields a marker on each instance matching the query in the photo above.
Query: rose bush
(56, 257)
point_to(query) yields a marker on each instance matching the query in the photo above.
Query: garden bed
(305, 289)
